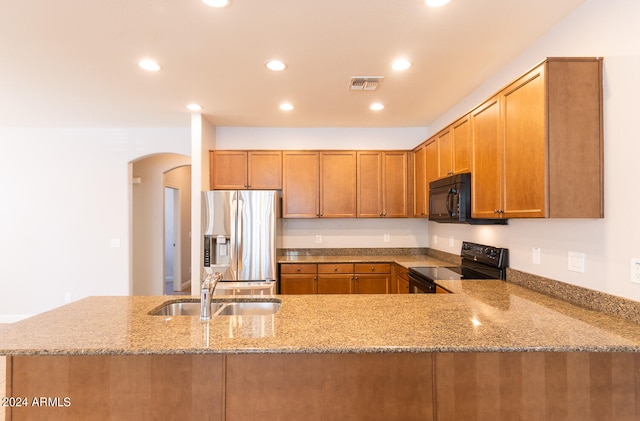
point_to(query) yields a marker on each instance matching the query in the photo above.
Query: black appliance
(478, 262)
(450, 201)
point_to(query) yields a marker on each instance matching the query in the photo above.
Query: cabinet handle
(373, 269)
(335, 269)
(298, 269)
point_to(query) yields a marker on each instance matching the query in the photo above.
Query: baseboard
(12, 318)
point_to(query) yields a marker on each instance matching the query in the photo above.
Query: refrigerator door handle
(239, 243)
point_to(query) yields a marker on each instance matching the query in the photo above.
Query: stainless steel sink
(246, 307)
(249, 308)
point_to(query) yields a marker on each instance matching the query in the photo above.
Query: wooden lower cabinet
(372, 278)
(493, 386)
(299, 278)
(401, 279)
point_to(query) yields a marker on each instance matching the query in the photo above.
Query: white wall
(64, 215)
(609, 29)
(302, 233)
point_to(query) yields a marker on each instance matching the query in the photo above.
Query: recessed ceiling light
(275, 65)
(376, 106)
(194, 107)
(436, 3)
(401, 64)
(286, 106)
(217, 3)
(148, 64)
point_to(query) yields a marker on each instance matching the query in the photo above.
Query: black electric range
(478, 262)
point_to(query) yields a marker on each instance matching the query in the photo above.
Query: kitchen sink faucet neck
(206, 291)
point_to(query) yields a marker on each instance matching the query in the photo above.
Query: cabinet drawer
(401, 272)
(373, 268)
(298, 268)
(335, 268)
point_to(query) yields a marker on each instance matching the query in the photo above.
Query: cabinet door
(395, 184)
(264, 170)
(372, 283)
(228, 170)
(300, 188)
(369, 188)
(335, 284)
(298, 284)
(338, 184)
(486, 180)
(523, 108)
(461, 134)
(445, 152)
(420, 186)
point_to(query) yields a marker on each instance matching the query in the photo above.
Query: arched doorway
(151, 176)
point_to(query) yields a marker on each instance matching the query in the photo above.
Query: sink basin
(249, 308)
(219, 308)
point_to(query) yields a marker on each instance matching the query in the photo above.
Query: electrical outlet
(576, 261)
(451, 241)
(535, 255)
(435, 240)
(387, 238)
(318, 239)
(635, 270)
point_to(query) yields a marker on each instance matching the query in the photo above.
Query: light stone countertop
(405, 260)
(483, 316)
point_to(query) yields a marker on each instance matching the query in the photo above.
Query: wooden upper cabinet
(445, 152)
(537, 145)
(300, 184)
(319, 184)
(420, 197)
(486, 180)
(338, 184)
(234, 169)
(382, 184)
(264, 170)
(461, 136)
(228, 170)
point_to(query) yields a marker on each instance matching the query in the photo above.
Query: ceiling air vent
(364, 83)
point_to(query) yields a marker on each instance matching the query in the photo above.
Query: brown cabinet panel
(335, 268)
(369, 189)
(264, 170)
(300, 184)
(299, 284)
(298, 268)
(420, 185)
(335, 284)
(338, 184)
(401, 279)
(372, 283)
(445, 152)
(486, 179)
(372, 268)
(228, 170)
(538, 386)
(319, 387)
(395, 184)
(462, 145)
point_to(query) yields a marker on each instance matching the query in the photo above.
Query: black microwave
(450, 201)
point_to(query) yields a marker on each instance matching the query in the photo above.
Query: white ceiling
(73, 63)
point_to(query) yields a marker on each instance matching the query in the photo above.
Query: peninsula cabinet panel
(537, 386)
(123, 387)
(300, 184)
(256, 170)
(320, 387)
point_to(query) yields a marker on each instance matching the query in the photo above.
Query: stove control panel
(493, 256)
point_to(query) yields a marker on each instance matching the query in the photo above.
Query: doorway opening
(172, 244)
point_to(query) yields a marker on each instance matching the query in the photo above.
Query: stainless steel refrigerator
(241, 230)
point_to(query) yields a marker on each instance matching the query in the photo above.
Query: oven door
(420, 285)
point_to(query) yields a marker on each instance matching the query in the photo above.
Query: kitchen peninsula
(491, 350)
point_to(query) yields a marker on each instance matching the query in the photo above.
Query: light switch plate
(635, 270)
(535, 255)
(576, 261)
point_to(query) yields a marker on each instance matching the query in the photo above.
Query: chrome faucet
(208, 286)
